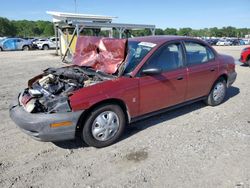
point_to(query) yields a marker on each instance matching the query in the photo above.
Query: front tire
(104, 126)
(248, 62)
(218, 93)
(45, 47)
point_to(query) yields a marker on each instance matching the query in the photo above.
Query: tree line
(206, 32)
(25, 28)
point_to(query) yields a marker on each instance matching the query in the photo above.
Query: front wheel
(217, 94)
(45, 47)
(104, 126)
(248, 62)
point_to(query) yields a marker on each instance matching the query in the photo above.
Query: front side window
(166, 58)
(197, 53)
(136, 52)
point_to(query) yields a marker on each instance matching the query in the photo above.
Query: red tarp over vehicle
(105, 54)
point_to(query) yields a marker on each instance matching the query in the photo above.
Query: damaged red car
(245, 56)
(114, 82)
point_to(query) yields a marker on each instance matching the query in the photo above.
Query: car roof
(12, 38)
(159, 39)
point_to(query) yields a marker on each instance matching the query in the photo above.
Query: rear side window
(197, 53)
(168, 57)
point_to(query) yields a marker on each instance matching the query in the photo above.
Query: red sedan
(245, 56)
(115, 82)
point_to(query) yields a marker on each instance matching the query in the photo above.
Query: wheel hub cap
(105, 126)
(219, 92)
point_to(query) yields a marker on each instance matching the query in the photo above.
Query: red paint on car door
(202, 69)
(201, 78)
(161, 91)
(167, 88)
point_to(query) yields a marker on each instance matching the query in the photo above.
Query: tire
(98, 132)
(26, 48)
(218, 93)
(248, 62)
(1, 49)
(45, 47)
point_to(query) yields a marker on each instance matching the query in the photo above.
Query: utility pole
(75, 6)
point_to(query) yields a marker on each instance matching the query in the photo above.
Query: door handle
(212, 69)
(180, 78)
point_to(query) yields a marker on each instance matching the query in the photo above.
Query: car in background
(10, 44)
(98, 96)
(224, 42)
(212, 42)
(1, 38)
(245, 56)
(236, 42)
(46, 44)
(246, 41)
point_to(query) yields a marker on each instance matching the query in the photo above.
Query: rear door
(168, 87)
(202, 69)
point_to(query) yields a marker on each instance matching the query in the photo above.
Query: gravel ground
(195, 146)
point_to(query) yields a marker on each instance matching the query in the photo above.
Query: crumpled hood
(104, 54)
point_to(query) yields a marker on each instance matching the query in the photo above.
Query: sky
(196, 14)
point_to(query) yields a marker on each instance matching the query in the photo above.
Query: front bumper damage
(38, 125)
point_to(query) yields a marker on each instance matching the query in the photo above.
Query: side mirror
(151, 71)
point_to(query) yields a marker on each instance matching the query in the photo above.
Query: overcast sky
(163, 13)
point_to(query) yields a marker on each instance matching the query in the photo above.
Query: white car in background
(224, 43)
(46, 44)
(246, 41)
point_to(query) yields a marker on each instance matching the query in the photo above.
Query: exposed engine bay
(96, 59)
(49, 91)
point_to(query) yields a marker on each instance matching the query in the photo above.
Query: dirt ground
(195, 146)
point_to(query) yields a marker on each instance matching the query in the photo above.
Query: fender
(122, 88)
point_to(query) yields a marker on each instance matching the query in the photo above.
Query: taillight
(231, 67)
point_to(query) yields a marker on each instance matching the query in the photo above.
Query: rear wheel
(1, 49)
(26, 48)
(218, 93)
(104, 126)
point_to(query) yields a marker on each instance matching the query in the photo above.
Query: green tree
(170, 31)
(48, 30)
(7, 28)
(159, 31)
(185, 31)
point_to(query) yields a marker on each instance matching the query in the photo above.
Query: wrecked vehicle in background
(117, 81)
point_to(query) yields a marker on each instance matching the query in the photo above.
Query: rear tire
(1, 49)
(218, 93)
(26, 48)
(104, 126)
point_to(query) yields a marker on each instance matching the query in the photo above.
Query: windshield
(136, 52)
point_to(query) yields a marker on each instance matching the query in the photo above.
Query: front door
(167, 88)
